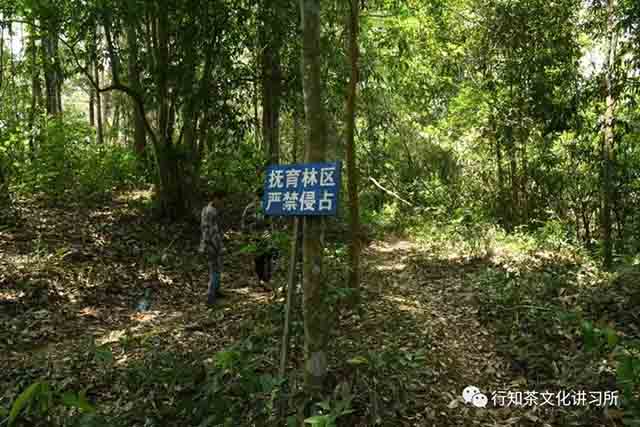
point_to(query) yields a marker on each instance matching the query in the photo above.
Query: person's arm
(245, 217)
(217, 241)
(204, 230)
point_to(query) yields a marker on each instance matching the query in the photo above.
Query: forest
(477, 264)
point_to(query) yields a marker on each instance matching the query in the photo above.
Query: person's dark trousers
(263, 265)
(214, 283)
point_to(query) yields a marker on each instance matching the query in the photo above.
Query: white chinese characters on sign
(273, 198)
(310, 177)
(326, 203)
(306, 189)
(290, 201)
(276, 179)
(292, 178)
(327, 177)
(308, 201)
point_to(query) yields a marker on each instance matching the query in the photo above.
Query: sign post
(299, 190)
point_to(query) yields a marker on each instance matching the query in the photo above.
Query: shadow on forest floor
(429, 326)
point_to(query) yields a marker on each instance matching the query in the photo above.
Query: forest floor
(71, 277)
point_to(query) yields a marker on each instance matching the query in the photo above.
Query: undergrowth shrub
(67, 163)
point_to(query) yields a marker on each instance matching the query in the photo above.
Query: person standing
(211, 244)
(256, 222)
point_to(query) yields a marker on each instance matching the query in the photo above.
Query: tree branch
(137, 97)
(389, 192)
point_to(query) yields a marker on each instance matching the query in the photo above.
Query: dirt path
(430, 309)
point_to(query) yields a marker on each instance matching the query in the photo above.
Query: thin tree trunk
(139, 134)
(608, 136)
(36, 89)
(51, 85)
(513, 171)
(107, 105)
(502, 211)
(314, 300)
(352, 168)
(4, 194)
(92, 103)
(525, 177)
(1, 54)
(270, 78)
(96, 72)
(586, 224)
(297, 135)
(115, 126)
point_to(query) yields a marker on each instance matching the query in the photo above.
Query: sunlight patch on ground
(8, 296)
(404, 304)
(147, 316)
(135, 195)
(392, 267)
(111, 336)
(89, 312)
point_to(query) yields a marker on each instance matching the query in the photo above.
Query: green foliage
(331, 410)
(233, 165)
(67, 163)
(38, 401)
(233, 380)
(526, 298)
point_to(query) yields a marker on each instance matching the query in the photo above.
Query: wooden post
(291, 288)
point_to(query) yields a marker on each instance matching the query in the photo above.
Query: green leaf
(23, 400)
(612, 337)
(70, 399)
(83, 404)
(625, 369)
(358, 360)
(317, 420)
(589, 335)
(103, 354)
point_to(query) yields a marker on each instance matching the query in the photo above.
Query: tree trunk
(352, 168)
(92, 103)
(608, 136)
(513, 170)
(524, 184)
(174, 181)
(271, 85)
(501, 208)
(297, 135)
(115, 125)
(314, 300)
(107, 105)
(586, 224)
(96, 72)
(139, 134)
(36, 89)
(50, 62)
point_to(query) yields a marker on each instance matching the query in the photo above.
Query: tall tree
(50, 58)
(97, 59)
(314, 301)
(271, 75)
(352, 168)
(139, 133)
(608, 131)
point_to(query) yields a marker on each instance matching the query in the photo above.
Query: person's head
(217, 197)
(258, 194)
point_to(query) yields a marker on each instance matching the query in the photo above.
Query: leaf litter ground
(70, 279)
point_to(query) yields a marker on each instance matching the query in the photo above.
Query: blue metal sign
(302, 189)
